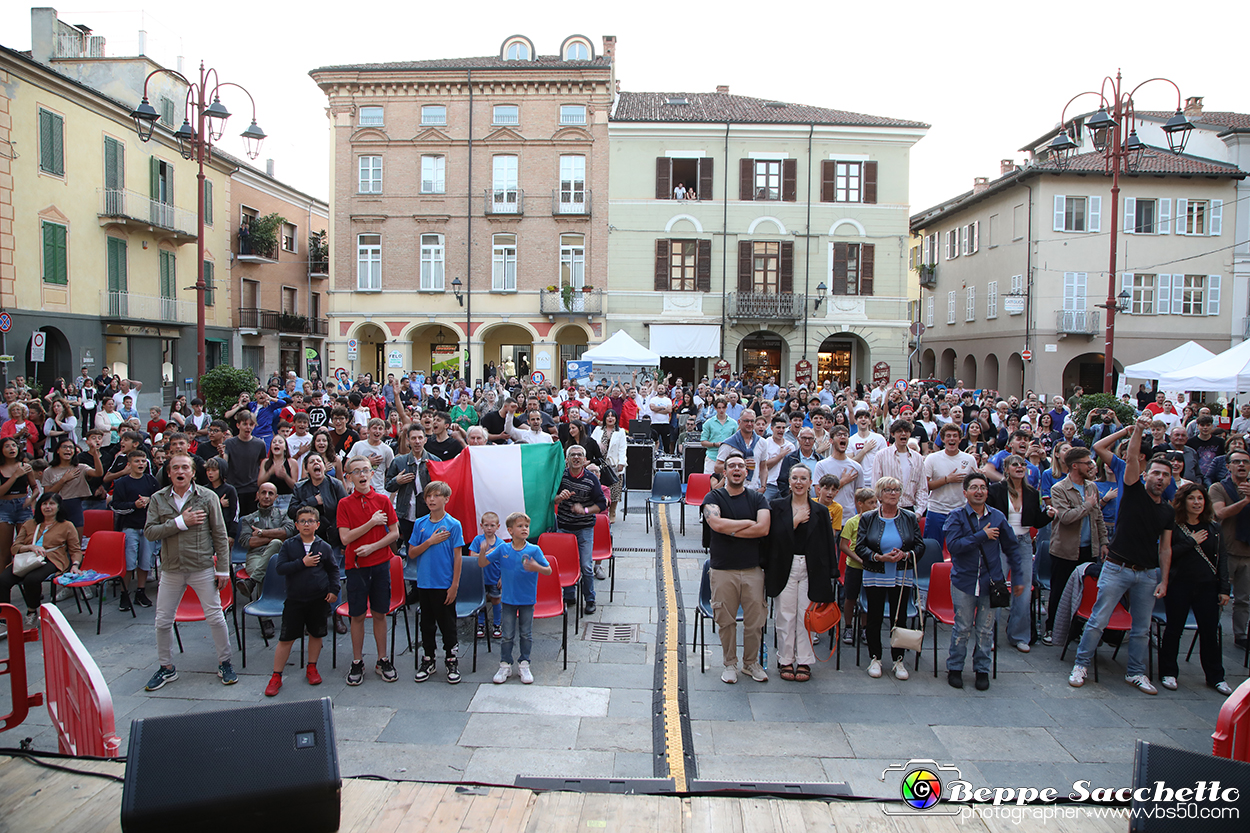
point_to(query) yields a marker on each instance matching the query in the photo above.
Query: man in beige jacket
(1078, 533)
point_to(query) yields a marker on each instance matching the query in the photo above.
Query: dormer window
(677, 100)
(517, 48)
(577, 48)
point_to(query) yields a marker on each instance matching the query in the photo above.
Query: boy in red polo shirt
(367, 527)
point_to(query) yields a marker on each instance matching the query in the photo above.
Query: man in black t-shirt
(1206, 447)
(1132, 565)
(738, 518)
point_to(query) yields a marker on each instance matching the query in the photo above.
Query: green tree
(222, 385)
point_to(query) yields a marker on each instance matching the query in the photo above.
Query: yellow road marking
(674, 743)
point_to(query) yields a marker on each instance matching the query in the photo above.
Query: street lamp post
(197, 142)
(1121, 153)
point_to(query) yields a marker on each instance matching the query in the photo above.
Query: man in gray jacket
(406, 478)
(187, 519)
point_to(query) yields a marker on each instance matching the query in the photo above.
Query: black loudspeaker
(693, 457)
(1161, 769)
(258, 768)
(639, 467)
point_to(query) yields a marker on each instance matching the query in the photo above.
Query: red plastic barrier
(15, 666)
(1231, 738)
(78, 698)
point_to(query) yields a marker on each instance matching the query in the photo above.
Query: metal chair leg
(178, 636)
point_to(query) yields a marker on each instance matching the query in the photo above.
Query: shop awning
(676, 341)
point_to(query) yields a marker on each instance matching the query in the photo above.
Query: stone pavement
(595, 719)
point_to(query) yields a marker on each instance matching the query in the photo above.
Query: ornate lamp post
(1121, 153)
(197, 142)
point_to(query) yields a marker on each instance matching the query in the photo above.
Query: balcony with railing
(570, 203)
(252, 318)
(251, 252)
(133, 307)
(786, 306)
(141, 212)
(505, 201)
(1077, 322)
(571, 302)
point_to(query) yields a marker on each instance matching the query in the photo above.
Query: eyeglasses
(307, 521)
(891, 490)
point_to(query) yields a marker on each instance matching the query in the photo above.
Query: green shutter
(55, 263)
(167, 276)
(51, 143)
(208, 202)
(116, 264)
(155, 180)
(208, 283)
(114, 164)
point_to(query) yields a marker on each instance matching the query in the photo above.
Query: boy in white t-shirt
(378, 453)
(768, 456)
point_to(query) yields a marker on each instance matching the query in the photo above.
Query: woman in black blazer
(1022, 504)
(801, 567)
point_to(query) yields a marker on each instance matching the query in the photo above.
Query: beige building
(760, 231)
(468, 215)
(1020, 263)
(280, 284)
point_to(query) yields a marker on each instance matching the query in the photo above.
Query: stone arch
(928, 363)
(989, 372)
(758, 221)
(1012, 383)
(847, 221)
(677, 218)
(946, 368)
(968, 371)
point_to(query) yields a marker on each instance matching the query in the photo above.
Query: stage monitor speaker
(1176, 769)
(258, 768)
(693, 457)
(640, 465)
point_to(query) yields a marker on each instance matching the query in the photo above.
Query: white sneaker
(757, 672)
(900, 670)
(600, 573)
(1223, 688)
(1169, 683)
(1023, 647)
(30, 619)
(504, 672)
(730, 674)
(526, 676)
(1077, 678)
(874, 668)
(1142, 682)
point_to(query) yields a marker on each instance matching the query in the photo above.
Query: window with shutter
(703, 267)
(789, 180)
(1182, 210)
(208, 202)
(928, 317)
(1017, 284)
(1141, 290)
(55, 268)
(767, 178)
(114, 177)
(705, 179)
(663, 178)
(683, 257)
(974, 237)
(661, 265)
(867, 267)
(1192, 295)
(51, 143)
(1165, 216)
(169, 287)
(841, 253)
(210, 295)
(1217, 218)
(1163, 298)
(970, 312)
(1094, 206)
(927, 254)
(745, 265)
(1213, 294)
(963, 239)
(1130, 215)
(116, 265)
(870, 183)
(765, 266)
(950, 307)
(827, 180)
(746, 179)
(991, 300)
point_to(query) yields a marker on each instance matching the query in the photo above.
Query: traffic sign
(38, 346)
(7, 359)
(918, 328)
(1027, 355)
(6, 322)
(353, 348)
(900, 384)
(537, 377)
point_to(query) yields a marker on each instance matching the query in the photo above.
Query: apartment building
(767, 233)
(468, 221)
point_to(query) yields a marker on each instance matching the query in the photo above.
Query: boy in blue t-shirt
(485, 542)
(437, 538)
(519, 564)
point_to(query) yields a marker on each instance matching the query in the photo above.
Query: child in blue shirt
(437, 538)
(519, 564)
(485, 542)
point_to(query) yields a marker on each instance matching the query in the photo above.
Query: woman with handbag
(889, 544)
(801, 568)
(46, 545)
(1195, 579)
(611, 441)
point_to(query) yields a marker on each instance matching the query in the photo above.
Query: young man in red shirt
(367, 527)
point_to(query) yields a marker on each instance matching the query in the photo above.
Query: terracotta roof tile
(721, 107)
(1213, 118)
(1153, 161)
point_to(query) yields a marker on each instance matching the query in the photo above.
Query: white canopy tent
(1229, 371)
(620, 349)
(1188, 355)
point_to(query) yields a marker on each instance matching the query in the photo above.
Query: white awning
(675, 341)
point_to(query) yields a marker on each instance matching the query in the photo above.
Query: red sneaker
(275, 684)
(310, 671)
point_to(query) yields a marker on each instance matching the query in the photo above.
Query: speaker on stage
(1163, 770)
(640, 464)
(693, 457)
(257, 768)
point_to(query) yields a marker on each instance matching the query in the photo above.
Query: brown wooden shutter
(839, 269)
(785, 269)
(661, 265)
(870, 182)
(746, 265)
(828, 169)
(789, 179)
(663, 178)
(746, 179)
(866, 257)
(705, 179)
(703, 267)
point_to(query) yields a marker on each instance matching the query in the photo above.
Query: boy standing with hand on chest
(437, 538)
(519, 563)
(312, 585)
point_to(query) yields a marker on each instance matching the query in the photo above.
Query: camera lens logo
(921, 789)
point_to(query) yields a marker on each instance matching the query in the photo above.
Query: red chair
(561, 550)
(920, 521)
(550, 604)
(190, 610)
(939, 606)
(696, 490)
(601, 550)
(1121, 619)
(105, 553)
(96, 520)
(1231, 738)
(398, 596)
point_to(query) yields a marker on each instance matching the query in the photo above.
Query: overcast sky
(987, 76)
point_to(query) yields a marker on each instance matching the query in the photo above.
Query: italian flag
(502, 479)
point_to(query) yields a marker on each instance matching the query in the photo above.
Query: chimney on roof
(609, 47)
(722, 88)
(1006, 166)
(980, 183)
(269, 167)
(1193, 107)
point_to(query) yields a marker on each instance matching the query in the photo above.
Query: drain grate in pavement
(609, 632)
(652, 549)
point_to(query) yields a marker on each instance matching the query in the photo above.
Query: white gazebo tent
(617, 358)
(1188, 355)
(1229, 371)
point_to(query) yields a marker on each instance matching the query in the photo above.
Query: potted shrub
(263, 235)
(566, 296)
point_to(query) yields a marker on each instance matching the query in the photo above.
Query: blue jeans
(138, 550)
(771, 492)
(585, 549)
(1018, 619)
(971, 612)
(517, 617)
(934, 526)
(1113, 584)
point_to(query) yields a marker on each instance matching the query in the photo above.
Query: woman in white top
(62, 424)
(611, 440)
(108, 419)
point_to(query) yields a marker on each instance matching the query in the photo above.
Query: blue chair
(269, 605)
(666, 488)
(703, 612)
(471, 598)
